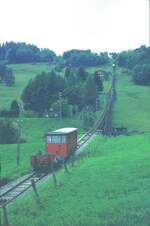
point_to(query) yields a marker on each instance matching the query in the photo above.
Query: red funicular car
(60, 144)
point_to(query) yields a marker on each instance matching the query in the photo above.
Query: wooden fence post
(37, 197)
(53, 174)
(72, 160)
(0, 169)
(5, 216)
(65, 166)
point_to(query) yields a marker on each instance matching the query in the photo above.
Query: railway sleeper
(7, 198)
(14, 193)
(23, 186)
(36, 178)
(20, 189)
(27, 183)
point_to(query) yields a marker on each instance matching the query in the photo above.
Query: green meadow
(33, 129)
(110, 188)
(23, 73)
(132, 107)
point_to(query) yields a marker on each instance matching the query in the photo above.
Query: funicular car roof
(62, 131)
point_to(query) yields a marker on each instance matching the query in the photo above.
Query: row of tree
(85, 58)
(134, 57)
(21, 52)
(77, 89)
(138, 61)
(6, 75)
(12, 52)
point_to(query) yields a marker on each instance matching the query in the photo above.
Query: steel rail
(19, 188)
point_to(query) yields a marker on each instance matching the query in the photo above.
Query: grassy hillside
(132, 108)
(110, 189)
(33, 130)
(23, 73)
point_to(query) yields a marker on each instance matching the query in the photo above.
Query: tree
(114, 56)
(42, 92)
(9, 78)
(82, 73)
(14, 109)
(90, 92)
(141, 74)
(22, 53)
(137, 61)
(6, 75)
(75, 96)
(8, 132)
(78, 58)
(2, 72)
(67, 72)
(47, 55)
(134, 57)
(4, 113)
(98, 81)
(88, 118)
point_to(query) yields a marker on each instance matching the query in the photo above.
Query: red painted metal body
(57, 149)
(60, 144)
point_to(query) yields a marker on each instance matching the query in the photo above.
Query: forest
(68, 84)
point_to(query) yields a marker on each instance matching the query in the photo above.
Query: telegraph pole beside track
(0, 169)
(19, 134)
(60, 105)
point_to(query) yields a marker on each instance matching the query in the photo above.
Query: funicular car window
(63, 139)
(49, 139)
(56, 139)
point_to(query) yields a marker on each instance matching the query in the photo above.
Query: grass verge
(110, 189)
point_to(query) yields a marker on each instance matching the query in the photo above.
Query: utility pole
(97, 104)
(19, 134)
(114, 68)
(60, 105)
(0, 169)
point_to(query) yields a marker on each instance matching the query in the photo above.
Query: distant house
(100, 74)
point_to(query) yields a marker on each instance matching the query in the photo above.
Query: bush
(8, 132)
(30, 114)
(6, 75)
(14, 109)
(4, 113)
(88, 119)
(141, 74)
(12, 112)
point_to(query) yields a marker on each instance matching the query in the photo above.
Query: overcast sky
(99, 25)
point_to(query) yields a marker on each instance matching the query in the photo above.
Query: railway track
(11, 193)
